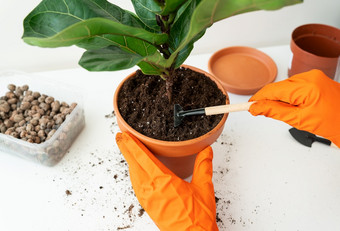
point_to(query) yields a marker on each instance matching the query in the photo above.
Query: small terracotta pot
(178, 156)
(315, 46)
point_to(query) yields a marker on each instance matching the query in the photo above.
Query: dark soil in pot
(144, 105)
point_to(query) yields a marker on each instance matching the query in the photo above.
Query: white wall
(256, 29)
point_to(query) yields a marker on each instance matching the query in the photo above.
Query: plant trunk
(169, 82)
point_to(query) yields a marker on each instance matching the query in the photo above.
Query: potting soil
(144, 104)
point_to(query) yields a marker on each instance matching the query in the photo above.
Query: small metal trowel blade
(177, 118)
(302, 137)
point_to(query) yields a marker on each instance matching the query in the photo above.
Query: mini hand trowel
(307, 138)
(179, 114)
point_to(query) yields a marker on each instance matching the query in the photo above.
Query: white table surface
(265, 179)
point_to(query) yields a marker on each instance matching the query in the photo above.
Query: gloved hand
(309, 101)
(172, 203)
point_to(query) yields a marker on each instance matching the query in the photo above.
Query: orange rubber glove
(172, 203)
(308, 101)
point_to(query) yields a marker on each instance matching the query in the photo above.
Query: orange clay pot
(178, 156)
(315, 46)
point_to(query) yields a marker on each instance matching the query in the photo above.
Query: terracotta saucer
(242, 70)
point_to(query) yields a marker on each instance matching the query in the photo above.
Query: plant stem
(165, 23)
(169, 82)
(165, 28)
(164, 50)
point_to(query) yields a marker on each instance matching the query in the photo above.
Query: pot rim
(313, 25)
(300, 32)
(172, 143)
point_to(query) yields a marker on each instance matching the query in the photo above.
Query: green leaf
(181, 27)
(128, 44)
(148, 8)
(149, 69)
(55, 15)
(109, 59)
(171, 6)
(55, 23)
(184, 53)
(113, 58)
(146, 11)
(210, 11)
(93, 27)
(179, 32)
(201, 14)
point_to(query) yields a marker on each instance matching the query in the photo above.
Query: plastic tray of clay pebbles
(39, 118)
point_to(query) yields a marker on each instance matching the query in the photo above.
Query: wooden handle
(227, 108)
(334, 145)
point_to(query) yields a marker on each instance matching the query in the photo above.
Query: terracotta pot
(315, 46)
(178, 156)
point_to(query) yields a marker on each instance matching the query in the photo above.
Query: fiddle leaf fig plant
(158, 37)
